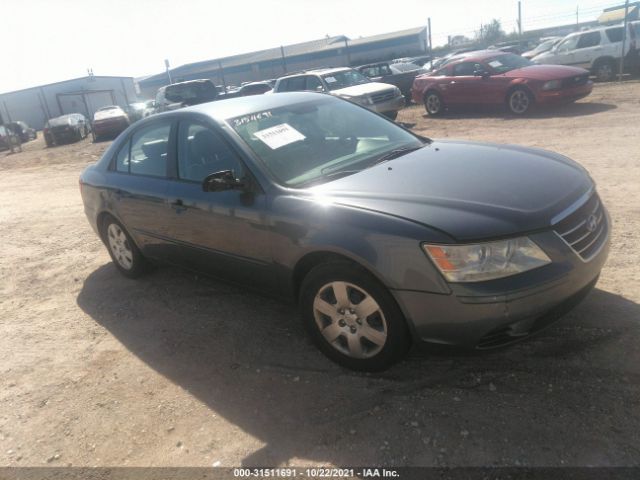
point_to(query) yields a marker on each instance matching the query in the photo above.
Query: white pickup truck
(346, 83)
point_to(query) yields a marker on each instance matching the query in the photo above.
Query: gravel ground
(177, 370)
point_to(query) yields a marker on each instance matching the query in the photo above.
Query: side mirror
(220, 181)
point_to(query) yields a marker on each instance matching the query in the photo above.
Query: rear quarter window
(614, 34)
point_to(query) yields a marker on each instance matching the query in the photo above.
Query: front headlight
(551, 85)
(486, 261)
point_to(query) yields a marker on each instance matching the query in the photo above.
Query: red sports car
(497, 78)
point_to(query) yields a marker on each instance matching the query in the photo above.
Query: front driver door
(221, 233)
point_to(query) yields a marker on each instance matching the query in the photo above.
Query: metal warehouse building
(275, 62)
(81, 95)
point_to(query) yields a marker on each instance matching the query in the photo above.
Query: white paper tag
(279, 136)
(330, 79)
(495, 63)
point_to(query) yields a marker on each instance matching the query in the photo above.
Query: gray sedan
(382, 236)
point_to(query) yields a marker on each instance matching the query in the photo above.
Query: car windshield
(505, 63)
(64, 120)
(343, 79)
(545, 46)
(312, 142)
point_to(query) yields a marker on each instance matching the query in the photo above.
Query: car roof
(476, 56)
(221, 110)
(317, 71)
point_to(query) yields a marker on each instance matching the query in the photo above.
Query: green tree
(491, 32)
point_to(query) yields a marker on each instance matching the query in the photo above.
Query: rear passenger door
(221, 233)
(140, 199)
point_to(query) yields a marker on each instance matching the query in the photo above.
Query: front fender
(387, 246)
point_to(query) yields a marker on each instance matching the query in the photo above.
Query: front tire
(519, 101)
(391, 115)
(433, 103)
(352, 318)
(123, 251)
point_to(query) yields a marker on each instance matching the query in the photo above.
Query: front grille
(575, 81)
(586, 229)
(383, 96)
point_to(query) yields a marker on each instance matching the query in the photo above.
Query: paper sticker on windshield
(279, 136)
(495, 63)
(254, 117)
(330, 79)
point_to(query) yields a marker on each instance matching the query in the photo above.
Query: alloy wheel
(433, 104)
(350, 319)
(519, 101)
(119, 245)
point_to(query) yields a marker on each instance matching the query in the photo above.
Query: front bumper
(564, 94)
(393, 105)
(497, 312)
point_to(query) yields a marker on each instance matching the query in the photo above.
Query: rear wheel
(519, 101)
(352, 318)
(123, 251)
(433, 103)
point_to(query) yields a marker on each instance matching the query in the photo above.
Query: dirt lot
(179, 370)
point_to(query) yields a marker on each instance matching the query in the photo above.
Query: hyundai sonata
(382, 236)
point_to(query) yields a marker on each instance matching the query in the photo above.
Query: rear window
(190, 91)
(293, 84)
(614, 34)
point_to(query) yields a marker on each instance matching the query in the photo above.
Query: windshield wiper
(327, 176)
(395, 153)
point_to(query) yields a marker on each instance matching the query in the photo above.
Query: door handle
(452, 82)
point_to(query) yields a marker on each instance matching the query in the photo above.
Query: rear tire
(433, 103)
(352, 318)
(123, 251)
(604, 70)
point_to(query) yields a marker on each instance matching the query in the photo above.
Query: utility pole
(624, 38)
(577, 21)
(346, 46)
(221, 70)
(429, 26)
(519, 19)
(284, 61)
(166, 66)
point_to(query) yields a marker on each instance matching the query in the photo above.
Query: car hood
(470, 191)
(362, 89)
(546, 72)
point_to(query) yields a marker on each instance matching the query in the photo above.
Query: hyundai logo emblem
(592, 223)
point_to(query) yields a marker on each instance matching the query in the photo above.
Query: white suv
(598, 50)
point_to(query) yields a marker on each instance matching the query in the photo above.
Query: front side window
(314, 84)
(466, 69)
(590, 39)
(201, 152)
(148, 150)
(293, 84)
(314, 141)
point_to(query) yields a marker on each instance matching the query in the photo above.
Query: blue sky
(52, 40)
